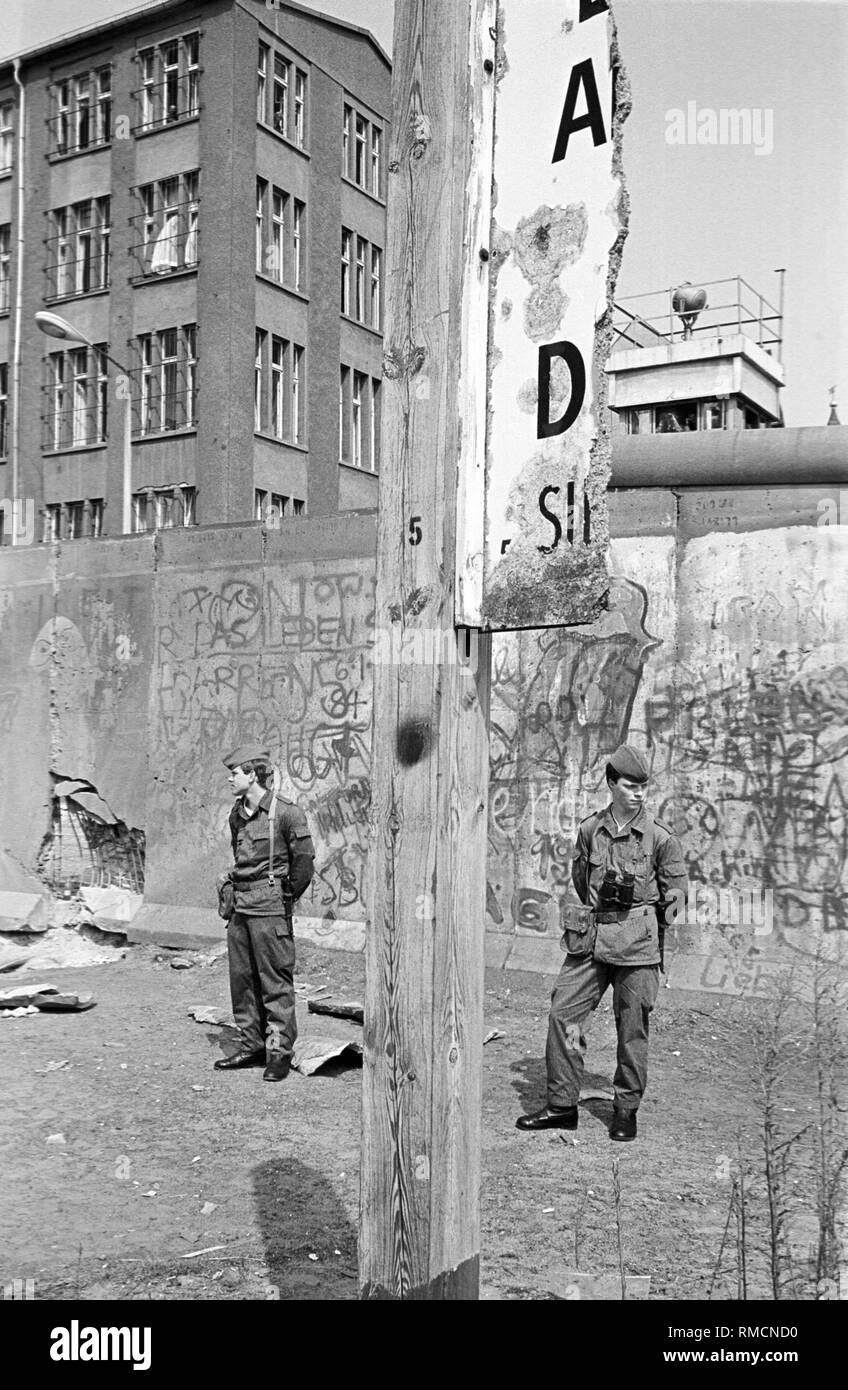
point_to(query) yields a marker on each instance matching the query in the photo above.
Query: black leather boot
(278, 1068)
(549, 1118)
(623, 1125)
(241, 1059)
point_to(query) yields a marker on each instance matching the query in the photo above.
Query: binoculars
(616, 892)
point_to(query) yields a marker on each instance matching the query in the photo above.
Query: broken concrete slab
(338, 1008)
(310, 1054)
(208, 1013)
(64, 1003)
(11, 956)
(112, 908)
(24, 912)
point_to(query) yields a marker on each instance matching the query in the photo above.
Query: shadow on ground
(310, 1245)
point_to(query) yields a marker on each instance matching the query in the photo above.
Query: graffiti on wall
(562, 701)
(746, 734)
(283, 661)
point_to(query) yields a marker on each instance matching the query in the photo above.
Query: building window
(376, 287)
(7, 109)
(165, 231)
(280, 120)
(359, 419)
(281, 377)
(257, 379)
(280, 257)
(362, 151)
(364, 302)
(52, 522)
(78, 249)
(288, 96)
(78, 394)
(166, 395)
(5, 259)
(347, 240)
(164, 508)
(73, 521)
(359, 299)
(4, 407)
(169, 83)
(712, 415)
(81, 112)
(676, 419)
(299, 108)
(262, 82)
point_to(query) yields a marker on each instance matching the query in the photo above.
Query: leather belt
(644, 910)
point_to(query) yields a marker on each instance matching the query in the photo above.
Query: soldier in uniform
(626, 869)
(260, 937)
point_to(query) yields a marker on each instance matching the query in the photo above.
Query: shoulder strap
(272, 817)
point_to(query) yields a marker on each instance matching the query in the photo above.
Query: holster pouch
(226, 899)
(578, 929)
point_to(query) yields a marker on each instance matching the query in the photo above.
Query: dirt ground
(133, 1153)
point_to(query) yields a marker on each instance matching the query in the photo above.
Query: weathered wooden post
(492, 516)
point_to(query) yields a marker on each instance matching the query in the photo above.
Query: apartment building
(198, 190)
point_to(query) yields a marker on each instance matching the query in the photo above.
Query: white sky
(698, 213)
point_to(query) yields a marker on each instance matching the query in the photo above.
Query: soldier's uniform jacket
(293, 856)
(645, 848)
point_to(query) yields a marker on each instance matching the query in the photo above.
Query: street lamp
(57, 327)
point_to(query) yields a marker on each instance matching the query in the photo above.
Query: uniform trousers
(580, 986)
(261, 959)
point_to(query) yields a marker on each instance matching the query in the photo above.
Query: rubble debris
(11, 956)
(19, 996)
(310, 1054)
(65, 1003)
(53, 1066)
(338, 1008)
(193, 1254)
(56, 1139)
(208, 1013)
(18, 1013)
(492, 1035)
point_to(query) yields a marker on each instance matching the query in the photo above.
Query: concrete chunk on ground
(112, 908)
(24, 912)
(310, 1054)
(338, 1008)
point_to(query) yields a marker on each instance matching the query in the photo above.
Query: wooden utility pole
(492, 516)
(419, 1231)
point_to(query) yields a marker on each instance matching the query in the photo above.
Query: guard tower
(704, 357)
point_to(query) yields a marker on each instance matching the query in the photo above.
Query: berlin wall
(134, 665)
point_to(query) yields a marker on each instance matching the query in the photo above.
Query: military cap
(247, 753)
(630, 764)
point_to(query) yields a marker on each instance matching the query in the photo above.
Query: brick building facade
(199, 190)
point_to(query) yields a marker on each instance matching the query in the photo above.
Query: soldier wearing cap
(626, 869)
(260, 940)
